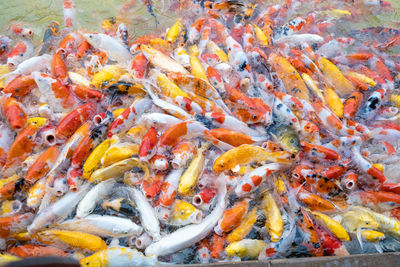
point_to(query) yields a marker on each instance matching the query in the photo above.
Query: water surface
(37, 14)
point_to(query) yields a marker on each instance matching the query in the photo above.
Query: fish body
(245, 248)
(188, 235)
(58, 210)
(115, 257)
(114, 49)
(274, 222)
(88, 203)
(103, 226)
(147, 214)
(286, 137)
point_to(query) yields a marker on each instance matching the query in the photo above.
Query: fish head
(93, 39)
(292, 143)
(5, 43)
(288, 138)
(3, 47)
(368, 222)
(42, 80)
(356, 219)
(309, 127)
(182, 211)
(236, 249)
(219, 166)
(350, 141)
(91, 261)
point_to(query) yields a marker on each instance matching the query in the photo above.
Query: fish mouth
(11, 66)
(196, 217)
(197, 201)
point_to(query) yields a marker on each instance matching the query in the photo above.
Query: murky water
(37, 14)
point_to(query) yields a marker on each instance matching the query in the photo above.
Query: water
(37, 14)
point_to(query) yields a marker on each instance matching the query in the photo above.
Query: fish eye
(3, 47)
(21, 54)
